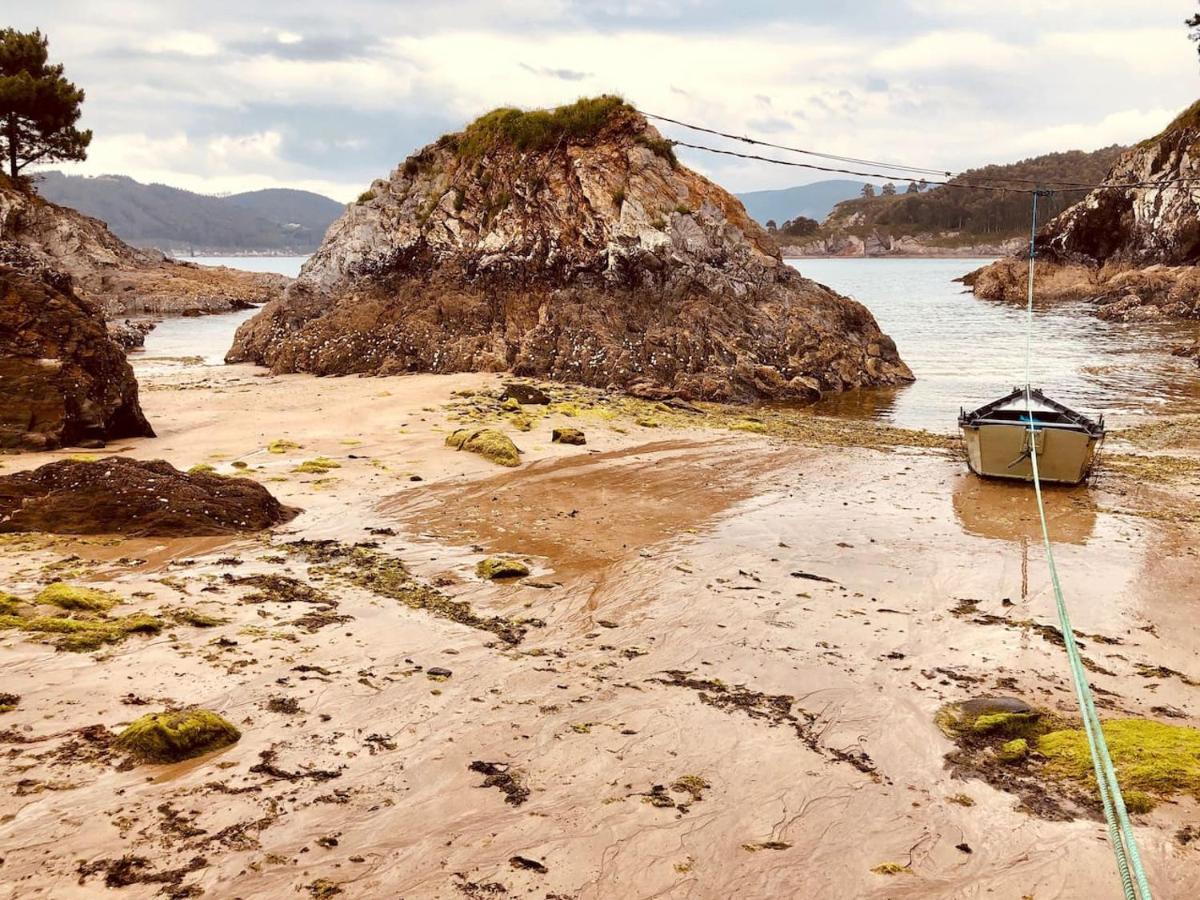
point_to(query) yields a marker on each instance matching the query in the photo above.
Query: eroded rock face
(1133, 250)
(131, 497)
(594, 258)
(63, 380)
(121, 279)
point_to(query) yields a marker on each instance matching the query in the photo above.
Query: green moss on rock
(1013, 751)
(487, 442)
(174, 736)
(69, 596)
(537, 129)
(501, 567)
(1151, 757)
(279, 445)
(568, 436)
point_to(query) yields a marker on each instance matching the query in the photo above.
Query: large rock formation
(63, 380)
(120, 279)
(1132, 250)
(567, 244)
(132, 497)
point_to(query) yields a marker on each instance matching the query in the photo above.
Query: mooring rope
(1120, 830)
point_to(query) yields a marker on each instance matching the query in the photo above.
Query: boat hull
(1001, 450)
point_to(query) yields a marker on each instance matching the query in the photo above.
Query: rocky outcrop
(1132, 250)
(566, 244)
(120, 279)
(132, 497)
(63, 380)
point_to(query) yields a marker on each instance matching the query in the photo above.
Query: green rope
(1120, 830)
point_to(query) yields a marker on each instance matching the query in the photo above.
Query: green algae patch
(84, 635)
(168, 737)
(69, 596)
(1013, 751)
(1151, 757)
(501, 567)
(891, 868)
(202, 469)
(489, 443)
(365, 566)
(10, 604)
(317, 466)
(280, 445)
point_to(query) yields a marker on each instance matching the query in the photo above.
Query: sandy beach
(625, 736)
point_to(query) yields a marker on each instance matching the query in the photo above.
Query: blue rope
(1120, 830)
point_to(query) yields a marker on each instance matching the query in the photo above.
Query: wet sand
(665, 562)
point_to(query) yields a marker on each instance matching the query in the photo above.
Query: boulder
(566, 244)
(131, 497)
(525, 394)
(174, 736)
(63, 380)
(487, 442)
(567, 436)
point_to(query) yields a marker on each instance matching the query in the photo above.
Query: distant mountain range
(180, 222)
(814, 201)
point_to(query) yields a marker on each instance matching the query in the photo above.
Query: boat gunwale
(1077, 421)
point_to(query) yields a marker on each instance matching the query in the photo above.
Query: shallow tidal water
(963, 350)
(966, 351)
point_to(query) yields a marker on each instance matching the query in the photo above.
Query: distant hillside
(813, 201)
(182, 222)
(956, 216)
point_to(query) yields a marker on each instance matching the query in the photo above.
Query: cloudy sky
(224, 96)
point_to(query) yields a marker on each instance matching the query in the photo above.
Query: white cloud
(949, 49)
(188, 43)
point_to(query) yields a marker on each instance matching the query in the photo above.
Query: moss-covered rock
(1013, 751)
(501, 567)
(8, 702)
(173, 736)
(202, 469)
(69, 596)
(489, 443)
(280, 445)
(1151, 757)
(568, 436)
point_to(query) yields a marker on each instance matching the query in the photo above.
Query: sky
(222, 97)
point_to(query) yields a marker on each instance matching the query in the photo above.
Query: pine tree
(868, 190)
(38, 105)
(889, 190)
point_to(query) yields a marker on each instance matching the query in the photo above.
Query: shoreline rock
(63, 380)
(117, 495)
(566, 244)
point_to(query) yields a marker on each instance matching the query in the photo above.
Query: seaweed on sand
(368, 567)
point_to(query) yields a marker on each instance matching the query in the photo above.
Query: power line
(947, 177)
(959, 182)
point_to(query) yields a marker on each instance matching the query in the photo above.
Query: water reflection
(1007, 511)
(966, 351)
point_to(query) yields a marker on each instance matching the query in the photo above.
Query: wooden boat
(998, 435)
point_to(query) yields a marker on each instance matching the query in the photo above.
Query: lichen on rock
(568, 436)
(69, 596)
(174, 736)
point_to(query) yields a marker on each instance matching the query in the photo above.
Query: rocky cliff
(122, 280)
(1131, 250)
(63, 381)
(568, 244)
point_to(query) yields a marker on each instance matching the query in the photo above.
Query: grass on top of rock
(537, 129)
(173, 736)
